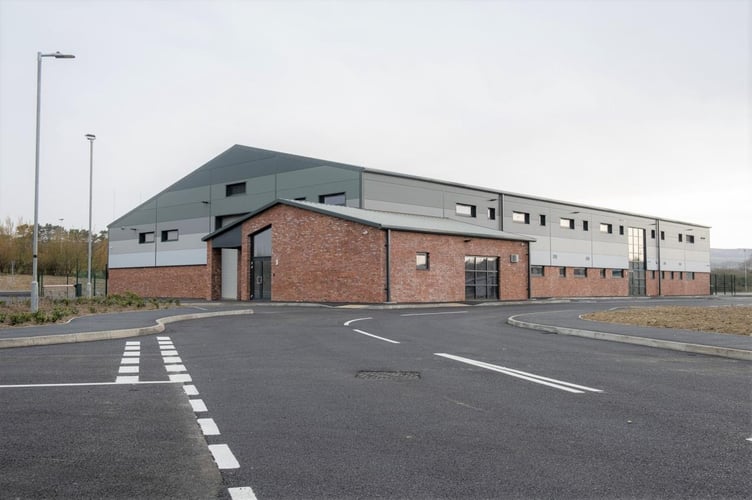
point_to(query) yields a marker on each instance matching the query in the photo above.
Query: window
(681, 275)
(652, 275)
(617, 273)
(690, 239)
(536, 270)
(333, 199)
(170, 235)
(562, 272)
(421, 260)
(663, 235)
(464, 210)
(652, 234)
(146, 237)
(235, 189)
(603, 273)
(690, 275)
(542, 219)
(566, 223)
(521, 217)
(606, 228)
(585, 225)
(579, 272)
(672, 274)
(680, 237)
(621, 230)
(302, 198)
(491, 213)
(481, 278)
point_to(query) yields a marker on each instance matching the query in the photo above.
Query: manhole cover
(387, 375)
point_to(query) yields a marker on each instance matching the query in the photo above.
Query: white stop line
(531, 377)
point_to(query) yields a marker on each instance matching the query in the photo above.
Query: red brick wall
(698, 286)
(175, 281)
(318, 258)
(553, 285)
(444, 281)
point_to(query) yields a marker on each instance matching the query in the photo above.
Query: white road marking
(163, 338)
(131, 354)
(162, 347)
(748, 439)
(132, 342)
(434, 314)
(190, 390)
(347, 323)
(130, 361)
(198, 405)
(208, 427)
(175, 368)
(375, 336)
(126, 379)
(128, 369)
(168, 360)
(223, 456)
(181, 377)
(531, 377)
(169, 353)
(132, 348)
(242, 493)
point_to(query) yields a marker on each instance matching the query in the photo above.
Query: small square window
(235, 189)
(491, 213)
(170, 235)
(521, 217)
(690, 275)
(566, 223)
(333, 199)
(536, 270)
(146, 237)
(464, 210)
(563, 272)
(579, 272)
(617, 273)
(585, 225)
(542, 219)
(606, 228)
(690, 239)
(421, 260)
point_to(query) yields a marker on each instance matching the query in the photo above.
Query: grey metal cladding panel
(371, 178)
(135, 218)
(228, 239)
(183, 196)
(241, 204)
(404, 208)
(317, 176)
(350, 187)
(184, 226)
(183, 212)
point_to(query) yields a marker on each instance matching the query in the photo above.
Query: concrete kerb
(725, 352)
(68, 338)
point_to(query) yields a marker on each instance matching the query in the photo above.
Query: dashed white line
(132, 342)
(223, 456)
(162, 338)
(242, 493)
(169, 353)
(175, 368)
(347, 323)
(132, 348)
(190, 390)
(375, 336)
(198, 405)
(181, 377)
(208, 427)
(128, 369)
(531, 377)
(130, 361)
(131, 354)
(168, 360)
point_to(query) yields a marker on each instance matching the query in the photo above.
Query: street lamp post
(91, 138)
(35, 243)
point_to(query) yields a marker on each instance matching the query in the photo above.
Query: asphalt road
(338, 403)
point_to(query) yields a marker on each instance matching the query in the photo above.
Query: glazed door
(261, 277)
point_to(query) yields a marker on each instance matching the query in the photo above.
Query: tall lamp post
(35, 244)
(91, 138)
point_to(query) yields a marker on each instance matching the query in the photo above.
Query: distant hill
(729, 258)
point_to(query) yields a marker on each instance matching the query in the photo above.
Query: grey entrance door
(261, 276)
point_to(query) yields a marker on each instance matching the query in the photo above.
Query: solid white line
(556, 384)
(128, 369)
(347, 323)
(242, 493)
(376, 336)
(208, 427)
(169, 353)
(198, 405)
(169, 360)
(190, 390)
(175, 368)
(434, 314)
(181, 377)
(89, 384)
(130, 361)
(223, 456)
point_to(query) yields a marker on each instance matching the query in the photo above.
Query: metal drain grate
(387, 375)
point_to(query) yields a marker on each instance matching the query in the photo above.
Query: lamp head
(58, 55)
(91, 137)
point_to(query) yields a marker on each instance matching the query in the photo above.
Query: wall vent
(514, 258)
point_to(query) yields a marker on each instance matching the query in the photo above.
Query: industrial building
(253, 224)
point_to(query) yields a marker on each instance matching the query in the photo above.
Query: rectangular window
(562, 272)
(585, 225)
(681, 275)
(617, 273)
(672, 274)
(652, 275)
(542, 219)
(680, 237)
(170, 235)
(146, 237)
(652, 234)
(235, 189)
(521, 217)
(421, 260)
(663, 235)
(690, 239)
(536, 270)
(464, 210)
(333, 199)
(606, 228)
(481, 278)
(603, 273)
(621, 230)
(566, 223)
(302, 198)
(579, 272)
(690, 275)
(491, 213)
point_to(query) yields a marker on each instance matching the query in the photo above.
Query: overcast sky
(642, 106)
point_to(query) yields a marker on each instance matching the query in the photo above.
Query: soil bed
(735, 320)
